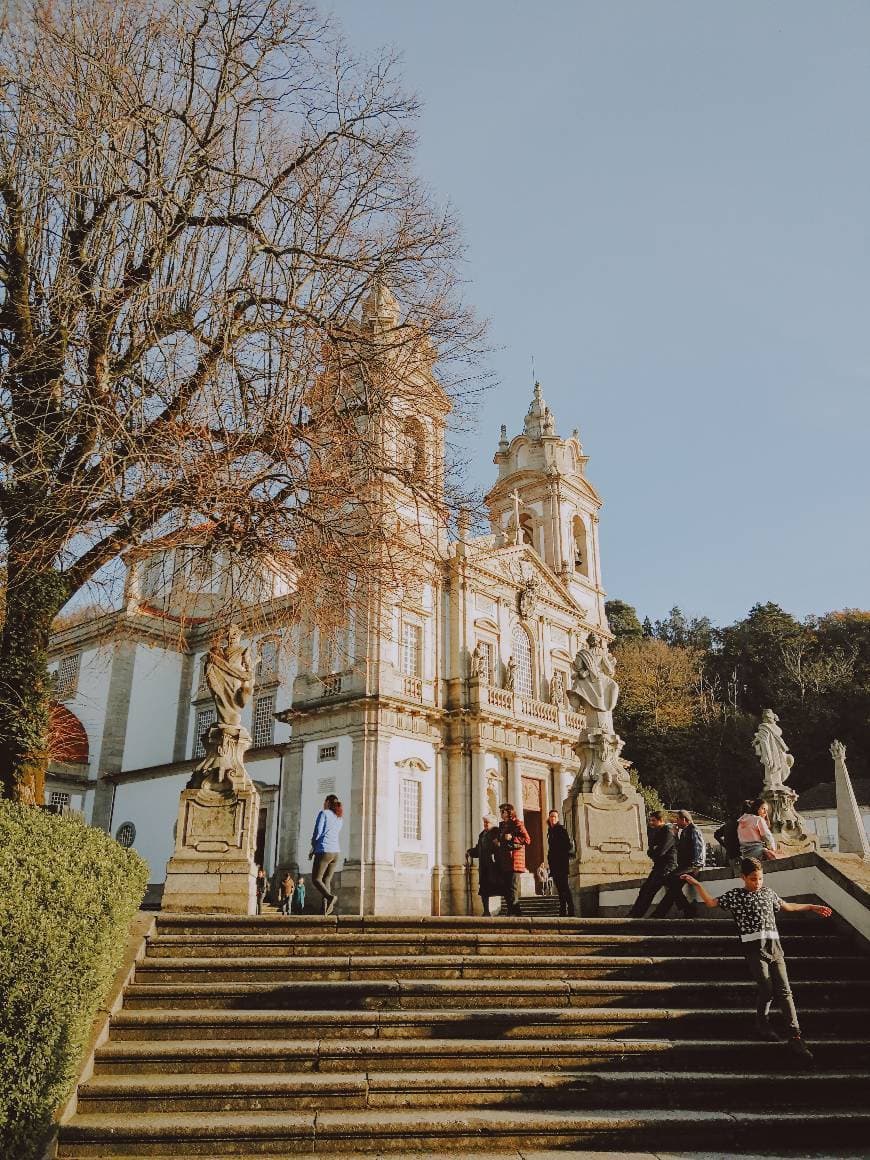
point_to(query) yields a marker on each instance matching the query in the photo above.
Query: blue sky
(667, 203)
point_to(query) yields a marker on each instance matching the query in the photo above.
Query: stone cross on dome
(539, 417)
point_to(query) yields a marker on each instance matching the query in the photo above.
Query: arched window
(522, 654)
(581, 547)
(412, 448)
(526, 530)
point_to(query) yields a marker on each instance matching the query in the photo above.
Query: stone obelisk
(212, 869)
(851, 835)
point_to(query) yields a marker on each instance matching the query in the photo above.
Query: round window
(126, 835)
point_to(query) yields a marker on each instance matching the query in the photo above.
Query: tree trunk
(34, 596)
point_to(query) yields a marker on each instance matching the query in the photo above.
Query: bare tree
(205, 211)
(816, 671)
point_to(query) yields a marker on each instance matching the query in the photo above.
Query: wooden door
(533, 817)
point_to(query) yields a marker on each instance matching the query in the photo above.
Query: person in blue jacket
(691, 857)
(325, 849)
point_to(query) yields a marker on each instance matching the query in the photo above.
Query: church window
(68, 676)
(412, 641)
(581, 554)
(125, 835)
(264, 721)
(411, 809)
(154, 580)
(522, 654)
(204, 719)
(59, 801)
(327, 753)
(412, 448)
(526, 530)
(267, 660)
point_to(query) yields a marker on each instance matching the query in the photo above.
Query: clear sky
(667, 203)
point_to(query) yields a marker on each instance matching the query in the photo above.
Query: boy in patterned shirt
(754, 908)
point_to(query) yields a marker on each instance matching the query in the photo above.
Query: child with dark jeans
(754, 908)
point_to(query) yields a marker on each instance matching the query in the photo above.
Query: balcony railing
(508, 703)
(331, 684)
(412, 687)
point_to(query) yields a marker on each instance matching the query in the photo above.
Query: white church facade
(453, 702)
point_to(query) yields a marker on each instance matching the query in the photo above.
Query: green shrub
(68, 894)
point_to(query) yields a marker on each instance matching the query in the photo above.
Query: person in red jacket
(513, 837)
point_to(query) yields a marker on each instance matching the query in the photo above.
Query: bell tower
(542, 498)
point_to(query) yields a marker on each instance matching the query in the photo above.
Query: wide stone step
(522, 945)
(405, 994)
(206, 925)
(442, 1130)
(489, 1023)
(473, 1056)
(422, 966)
(543, 1088)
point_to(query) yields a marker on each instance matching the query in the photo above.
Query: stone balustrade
(507, 703)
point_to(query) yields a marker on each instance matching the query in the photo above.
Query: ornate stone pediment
(525, 571)
(416, 763)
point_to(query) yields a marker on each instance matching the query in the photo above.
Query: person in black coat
(559, 851)
(488, 875)
(691, 856)
(663, 851)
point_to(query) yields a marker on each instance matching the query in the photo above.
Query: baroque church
(454, 703)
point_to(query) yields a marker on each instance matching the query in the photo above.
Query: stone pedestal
(606, 816)
(786, 823)
(212, 869)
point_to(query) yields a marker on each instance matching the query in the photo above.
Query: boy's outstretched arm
(706, 898)
(821, 911)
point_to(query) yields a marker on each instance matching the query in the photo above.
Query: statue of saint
(593, 686)
(772, 751)
(557, 690)
(510, 677)
(477, 660)
(229, 674)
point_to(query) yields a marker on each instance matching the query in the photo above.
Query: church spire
(539, 417)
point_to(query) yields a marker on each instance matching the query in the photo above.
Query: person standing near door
(513, 837)
(489, 884)
(325, 849)
(559, 851)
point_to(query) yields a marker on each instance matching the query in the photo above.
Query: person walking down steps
(297, 905)
(663, 852)
(325, 849)
(753, 907)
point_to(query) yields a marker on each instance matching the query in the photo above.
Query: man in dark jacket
(559, 851)
(488, 876)
(691, 856)
(663, 851)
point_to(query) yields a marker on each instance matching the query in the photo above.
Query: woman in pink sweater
(753, 832)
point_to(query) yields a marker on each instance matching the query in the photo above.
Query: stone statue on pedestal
(777, 762)
(212, 868)
(603, 810)
(229, 674)
(772, 751)
(593, 686)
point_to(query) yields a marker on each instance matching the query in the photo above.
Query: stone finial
(381, 305)
(539, 417)
(851, 835)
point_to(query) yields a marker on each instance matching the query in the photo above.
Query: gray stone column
(457, 830)
(290, 807)
(114, 730)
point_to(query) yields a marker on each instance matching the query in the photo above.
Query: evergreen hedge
(68, 893)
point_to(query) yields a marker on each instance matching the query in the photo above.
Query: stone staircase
(461, 1036)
